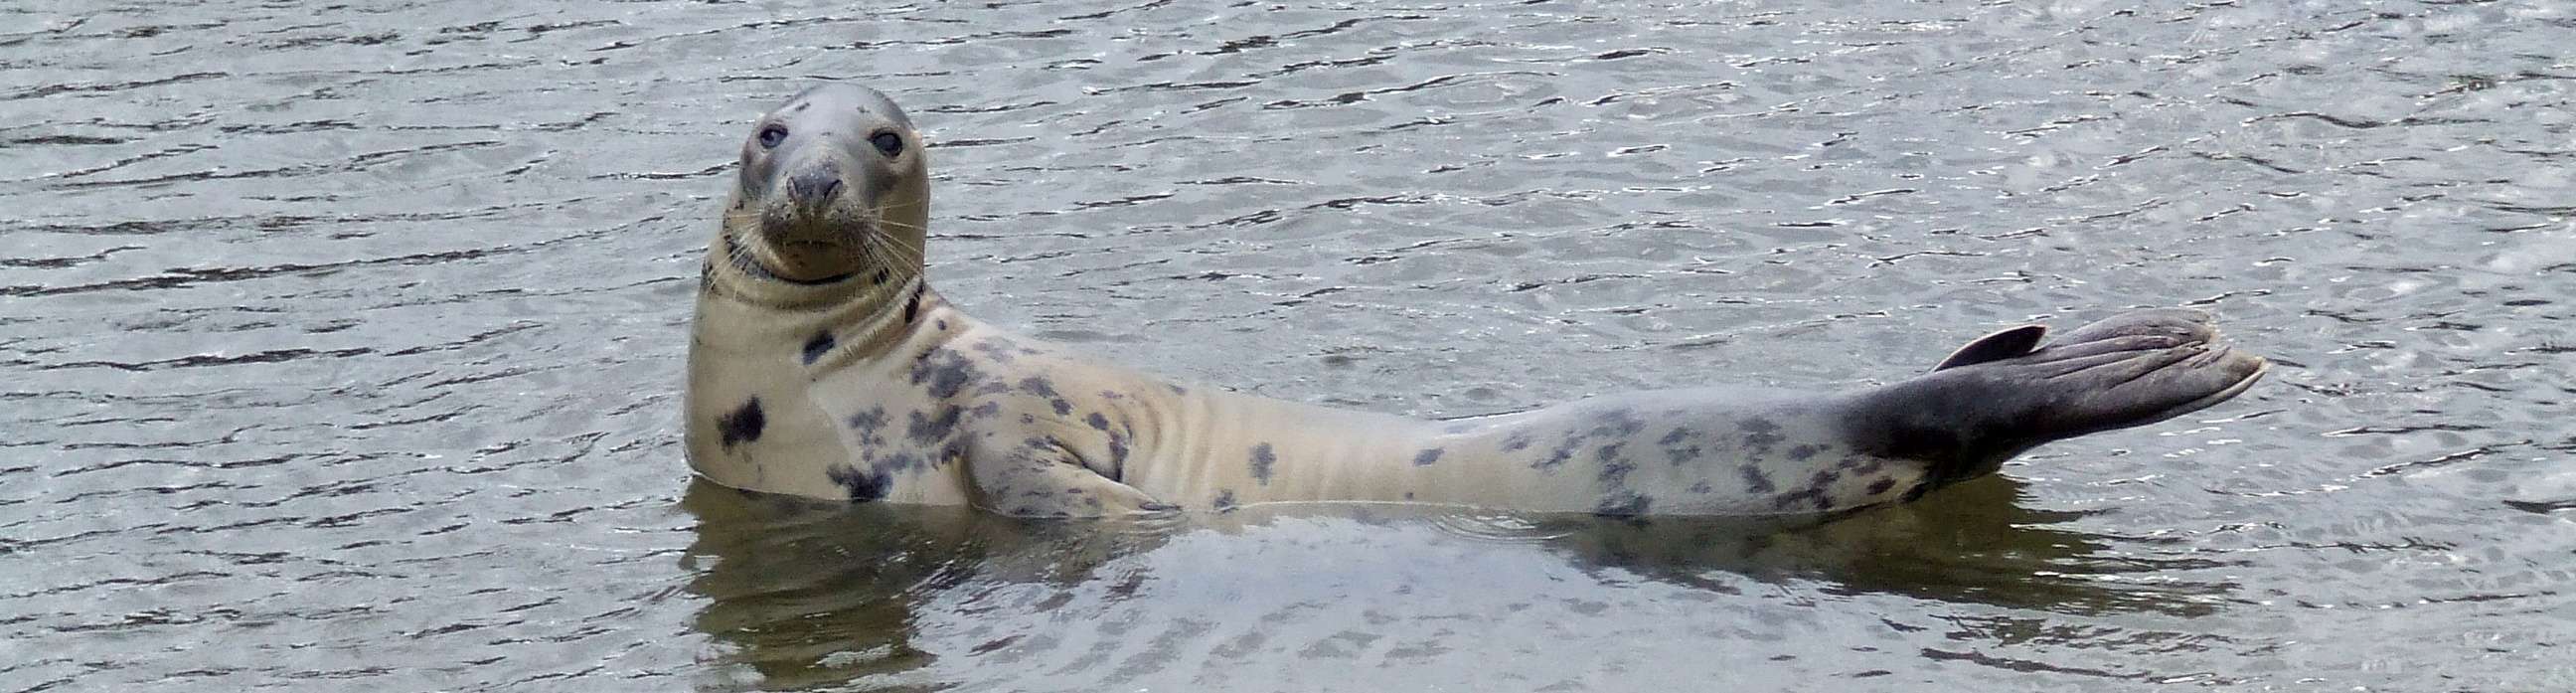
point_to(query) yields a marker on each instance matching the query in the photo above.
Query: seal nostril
(815, 185)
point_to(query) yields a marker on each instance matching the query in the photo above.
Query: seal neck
(739, 312)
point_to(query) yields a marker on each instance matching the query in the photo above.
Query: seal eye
(771, 136)
(888, 143)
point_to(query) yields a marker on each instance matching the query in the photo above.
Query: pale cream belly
(1055, 433)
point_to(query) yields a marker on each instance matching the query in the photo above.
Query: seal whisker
(902, 260)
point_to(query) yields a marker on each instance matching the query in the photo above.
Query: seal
(822, 364)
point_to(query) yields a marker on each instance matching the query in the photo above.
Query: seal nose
(814, 185)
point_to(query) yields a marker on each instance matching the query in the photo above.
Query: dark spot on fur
(942, 325)
(1178, 390)
(818, 346)
(995, 348)
(1802, 453)
(1426, 457)
(1613, 425)
(743, 425)
(870, 425)
(1262, 458)
(872, 419)
(1881, 486)
(800, 107)
(1557, 457)
(1614, 475)
(1224, 500)
(1703, 488)
(944, 372)
(1761, 442)
(1457, 428)
(1108, 395)
(1758, 425)
(986, 410)
(1046, 390)
(862, 486)
(1617, 422)
(1788, 500)
(926, 429)
(1516, 442)
(897, 462)
(1097, 421)
(1117, 457)
(1607, 453)
(1678, 435)
(1755, 481)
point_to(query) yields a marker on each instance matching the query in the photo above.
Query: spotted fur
(824, 375)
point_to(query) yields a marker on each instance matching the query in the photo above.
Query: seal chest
(822, 364)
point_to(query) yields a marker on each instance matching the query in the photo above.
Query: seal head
(833, 185)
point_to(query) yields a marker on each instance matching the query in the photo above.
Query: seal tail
(2005, 393)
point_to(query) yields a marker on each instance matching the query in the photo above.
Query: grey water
(341, 345)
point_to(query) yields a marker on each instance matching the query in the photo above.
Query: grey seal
(822, 364)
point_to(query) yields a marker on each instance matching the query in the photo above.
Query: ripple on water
(343, 344)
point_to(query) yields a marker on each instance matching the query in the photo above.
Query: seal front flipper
(1037, 477)
(1977, 410)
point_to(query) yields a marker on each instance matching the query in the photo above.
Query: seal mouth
(790, 234)
(750, 265)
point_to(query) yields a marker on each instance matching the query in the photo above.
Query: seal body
(822, 364)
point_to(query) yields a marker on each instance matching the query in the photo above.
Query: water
(343, 345)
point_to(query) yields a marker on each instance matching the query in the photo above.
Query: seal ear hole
(887, 143)
(771, 135)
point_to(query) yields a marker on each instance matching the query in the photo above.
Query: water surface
(343, 345)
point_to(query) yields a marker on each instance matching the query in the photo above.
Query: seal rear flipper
(1039, 478)
(2137, 368)
(2131, 369)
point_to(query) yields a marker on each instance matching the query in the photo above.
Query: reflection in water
(1970, 543)
(845, 573)
(805, 593)
(845, 578)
